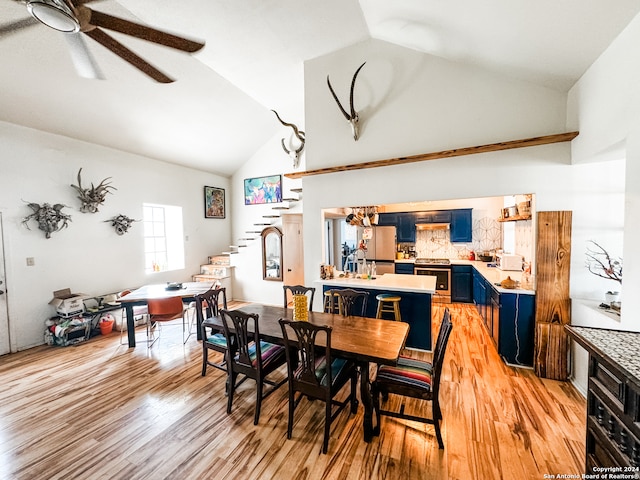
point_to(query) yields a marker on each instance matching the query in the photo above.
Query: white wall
(269, 160)
(89, 256)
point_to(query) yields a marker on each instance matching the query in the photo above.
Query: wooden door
(292, 250)
(4, 315)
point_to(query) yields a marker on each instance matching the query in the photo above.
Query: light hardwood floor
(100, 410)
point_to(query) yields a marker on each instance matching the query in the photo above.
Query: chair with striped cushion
(308, 373)
(416, 379)
(207, 307)
(250, 356)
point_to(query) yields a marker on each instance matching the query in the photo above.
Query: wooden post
(553, 304)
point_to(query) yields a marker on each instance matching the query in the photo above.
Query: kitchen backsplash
(486, 234)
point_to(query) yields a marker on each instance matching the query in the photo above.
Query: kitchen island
(415, 306)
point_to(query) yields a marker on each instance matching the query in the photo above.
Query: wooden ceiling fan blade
(81, 57)
(14, 27)
(144, 32)
(127, 55)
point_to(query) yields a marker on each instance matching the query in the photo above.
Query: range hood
(432, 226)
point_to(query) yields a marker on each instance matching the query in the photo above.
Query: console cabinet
(613, 399)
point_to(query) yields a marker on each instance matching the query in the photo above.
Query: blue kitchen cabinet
(480, 295)
(435, 216)
(404, 268)
(462, 283)
(461, 226)
(388, 219)
(406, 227)
(516, 327)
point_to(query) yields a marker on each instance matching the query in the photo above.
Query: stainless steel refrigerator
(381, 248)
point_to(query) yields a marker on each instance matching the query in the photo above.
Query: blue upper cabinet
(461, 231)
(388, 219)
(406, 228)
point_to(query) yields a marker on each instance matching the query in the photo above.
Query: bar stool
(330, 304)
(389, 303)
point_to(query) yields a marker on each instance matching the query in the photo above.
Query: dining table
(140, 296)
(364, 340)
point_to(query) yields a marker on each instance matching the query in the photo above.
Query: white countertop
(495, 275)
(405, 260)
(388, 281)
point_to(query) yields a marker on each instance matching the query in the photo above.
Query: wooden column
(553, 304)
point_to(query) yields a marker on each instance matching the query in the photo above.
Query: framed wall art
(263, 190)
(214, 202)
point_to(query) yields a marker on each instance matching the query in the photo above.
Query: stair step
(262, 224)
(246, 238)
(237, 246)
(280, 208)
(296, 190)
(270, 216)
(253, 231)
(229, 253)
(290, 199)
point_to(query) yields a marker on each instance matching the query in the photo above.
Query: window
(163, 245)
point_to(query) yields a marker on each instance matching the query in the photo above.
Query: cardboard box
(67, 304)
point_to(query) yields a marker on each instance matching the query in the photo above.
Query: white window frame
(163, 238)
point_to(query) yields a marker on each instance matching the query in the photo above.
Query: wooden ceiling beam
(457, 152)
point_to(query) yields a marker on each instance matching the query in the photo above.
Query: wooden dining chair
(298, 290)
(416, 379)
(249, 356)
(208, 307)
(163, 310)
(313, 372)
(351, 302)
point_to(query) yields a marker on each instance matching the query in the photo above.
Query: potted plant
(603, 265)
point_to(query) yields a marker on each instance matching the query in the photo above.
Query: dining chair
(299, 290)
(313, 372)
(208, 307)
(351, 302)
(250, 356)
(139, 311)
(415, 379)
(163, 310)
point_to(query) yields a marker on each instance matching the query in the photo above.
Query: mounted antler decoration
(93, 197)
(121, 223)
(352, 118)
(48, 217)
(294, 154)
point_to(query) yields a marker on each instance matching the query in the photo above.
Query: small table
(140, 296)
(364, 340)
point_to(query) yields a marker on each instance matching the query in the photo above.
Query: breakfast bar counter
(415, 292)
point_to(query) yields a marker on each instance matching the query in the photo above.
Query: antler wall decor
(93, 197)
(48, 217)
(352, 117)
(294, 154)
(121, 223)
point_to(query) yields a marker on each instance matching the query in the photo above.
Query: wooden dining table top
(359, 338)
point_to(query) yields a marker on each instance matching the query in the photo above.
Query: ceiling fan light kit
(54, 14)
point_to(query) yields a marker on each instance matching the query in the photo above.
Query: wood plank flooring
(100, 410)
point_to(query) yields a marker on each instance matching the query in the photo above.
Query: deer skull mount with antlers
(351, 117)
(294, 154)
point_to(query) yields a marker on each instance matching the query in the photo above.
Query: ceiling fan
(74, 18)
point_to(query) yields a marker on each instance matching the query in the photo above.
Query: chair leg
(205, 358)
(327, 426)
(256, 417)
(231, 385)
(291, 409)
(437, 417)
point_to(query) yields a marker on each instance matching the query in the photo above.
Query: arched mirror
(272, 254)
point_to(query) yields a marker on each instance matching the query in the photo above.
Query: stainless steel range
(439, 268)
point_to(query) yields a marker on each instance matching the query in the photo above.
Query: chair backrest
(303, 370)
(243, 354)
(207, 303)
(439, 351)
(165, 307)
(351, 302)
(299, 290)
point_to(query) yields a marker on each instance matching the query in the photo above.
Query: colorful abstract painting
(263, 190)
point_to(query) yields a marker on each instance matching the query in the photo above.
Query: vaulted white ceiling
(217, 113)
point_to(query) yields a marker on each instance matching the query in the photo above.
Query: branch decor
(93, 197)
(601, 264)
(121, 223)
(50, 218)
